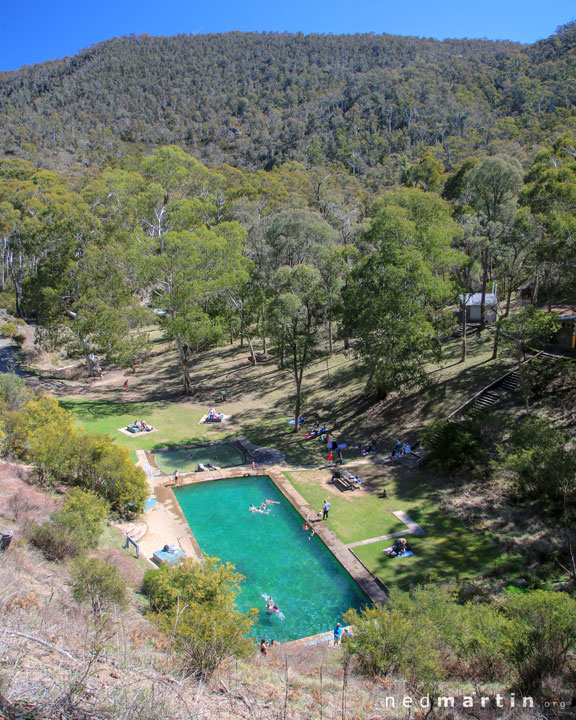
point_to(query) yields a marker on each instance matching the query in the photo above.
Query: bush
(195, 603)
(55, 541)
(8, 330)
(540, 464)
(542, 635)
(457, 448)
(77, 526)
(105, 468)
(388, 641)
(43, 432)
(98, 582)
(8, 302)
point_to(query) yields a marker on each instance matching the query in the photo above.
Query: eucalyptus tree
(396, 297)
(295, 318)
(188, 281)
(494, 185)
(550, 193)
(44, 225)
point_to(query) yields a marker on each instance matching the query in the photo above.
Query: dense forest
(368, 103)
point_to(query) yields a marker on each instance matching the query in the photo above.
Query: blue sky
(40, 30)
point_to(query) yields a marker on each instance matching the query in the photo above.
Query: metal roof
(475, 299)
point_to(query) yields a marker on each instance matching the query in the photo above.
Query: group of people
(213, 416)
(263, 507)
(401, 448)
(140, 426)
(272, 608)
(339, 457)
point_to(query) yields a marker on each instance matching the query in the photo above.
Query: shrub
(77, 526)
(388, 641)
(55, 541)
(7, 301)
(541, 637)
(99, 583)
(104, 467)
(14, 393)
(483, 642)
(195, 603)
(457, 447)
(43, 432)
(8, 330)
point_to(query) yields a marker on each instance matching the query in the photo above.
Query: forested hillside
(370, 103)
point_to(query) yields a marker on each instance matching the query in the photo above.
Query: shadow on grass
(96, 409)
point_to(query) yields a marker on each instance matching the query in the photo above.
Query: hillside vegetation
(365, 102)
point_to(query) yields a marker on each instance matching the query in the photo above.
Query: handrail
(494, 383)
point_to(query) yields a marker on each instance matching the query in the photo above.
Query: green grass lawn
(447, 551)
(177, 424)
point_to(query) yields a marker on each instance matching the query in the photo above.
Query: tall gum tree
(396, 298)
(295, 317)
(188, 280)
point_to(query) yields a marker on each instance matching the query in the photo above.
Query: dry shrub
(24, 601)
(19, 504)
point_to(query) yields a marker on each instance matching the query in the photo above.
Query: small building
(473, 306)
(566, 335)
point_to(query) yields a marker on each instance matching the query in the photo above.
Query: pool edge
(347, 559)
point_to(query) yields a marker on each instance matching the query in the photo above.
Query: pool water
(274, 554)
(188, 459)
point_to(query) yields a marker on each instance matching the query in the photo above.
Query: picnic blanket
(393, 557)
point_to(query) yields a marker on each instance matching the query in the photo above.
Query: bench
(343, 479)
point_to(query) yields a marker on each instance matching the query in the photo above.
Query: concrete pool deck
(166, 524)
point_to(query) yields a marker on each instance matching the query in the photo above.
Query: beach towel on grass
(393, 557)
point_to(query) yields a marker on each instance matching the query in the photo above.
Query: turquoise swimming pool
(184, 459)
(274, 554)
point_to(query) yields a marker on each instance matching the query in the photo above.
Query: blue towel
(406, 554)
(161, 556)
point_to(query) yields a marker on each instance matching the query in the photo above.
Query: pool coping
(163, 489)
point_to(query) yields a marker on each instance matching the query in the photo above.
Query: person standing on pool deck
(325, 510)
(337, 634)
(176, 478)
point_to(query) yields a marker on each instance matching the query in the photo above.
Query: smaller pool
(187, 459)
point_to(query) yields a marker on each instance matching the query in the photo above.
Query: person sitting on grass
(400, 547)
(314, 432)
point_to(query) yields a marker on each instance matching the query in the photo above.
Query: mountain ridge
(256, 100)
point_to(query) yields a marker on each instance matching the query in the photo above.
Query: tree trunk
(186, 382)
(495, 345)
(330, 339)
(464, 327)
(298, 404)
(484, 283)
(251, 346)
(17, 281)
